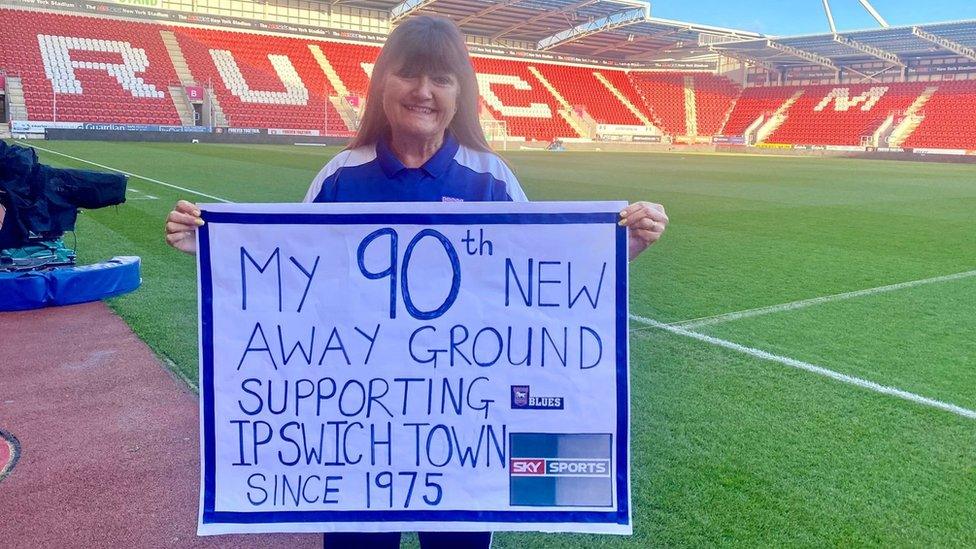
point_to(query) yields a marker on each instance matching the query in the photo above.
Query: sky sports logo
(559, 467)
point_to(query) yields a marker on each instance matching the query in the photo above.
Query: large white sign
(423, 366)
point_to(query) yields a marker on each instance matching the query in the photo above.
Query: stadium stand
(948, 119)
(842, 114)
(348, 61)
(582, 89)
(272, 82)
(714, 96)
(664, 94)
(72, 70)
(623, 83)
(514, 94)
(753, 103)
(75, 68)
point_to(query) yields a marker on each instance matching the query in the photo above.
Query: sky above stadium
(791, 17)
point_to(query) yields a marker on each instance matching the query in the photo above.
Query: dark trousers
(391, 540)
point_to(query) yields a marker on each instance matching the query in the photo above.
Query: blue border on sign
(210, 516)
(207, 371)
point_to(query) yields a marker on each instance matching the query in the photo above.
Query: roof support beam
(492, 8)
(769, 67)
(407, 8)
(543, 15)
(803, 54)
(874, 13)
(830, 16)
(614, 21)
(873, 77)
(869, 49)
(638, 40)
(945, 43)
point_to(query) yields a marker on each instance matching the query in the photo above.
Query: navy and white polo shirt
(455, 173)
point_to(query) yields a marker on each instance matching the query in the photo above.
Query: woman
(420, 141)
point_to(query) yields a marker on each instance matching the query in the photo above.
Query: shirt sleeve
(323, 188)
(511, 190)
(514, 190)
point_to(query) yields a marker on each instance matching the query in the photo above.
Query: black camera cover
(42, 202)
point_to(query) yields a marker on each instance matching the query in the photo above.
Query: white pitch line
(142, 195)
(728, 317)
(130, 174)
(819, 370)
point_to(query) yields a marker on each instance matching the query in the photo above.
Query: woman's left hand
(646, 222)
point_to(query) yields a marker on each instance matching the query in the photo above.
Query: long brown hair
(424, 45)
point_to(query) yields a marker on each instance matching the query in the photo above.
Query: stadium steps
(186, 79)
(691, 107)
(346, 111)
(567, 112)
(751, 130)
(220, 119)
(584, 125)
(349, 115)
(728, 115)
(337, 84)
(183, 106)
(777, 118)
(913, 119)
(623, 99)
(15, 99)
(4, 133)
(880, 136)
(176, 57)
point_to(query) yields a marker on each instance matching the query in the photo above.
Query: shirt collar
(434, 167)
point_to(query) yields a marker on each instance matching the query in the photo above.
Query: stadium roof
(893, 45)
(610, 29)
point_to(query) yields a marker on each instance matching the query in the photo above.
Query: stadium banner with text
(728, 140)
(35, 126)
(40, 127)
(424, 366)
(624, 129)
(288, 131)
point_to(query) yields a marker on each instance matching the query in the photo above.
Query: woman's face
(420, 107)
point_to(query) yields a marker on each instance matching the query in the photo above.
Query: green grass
(728, 449)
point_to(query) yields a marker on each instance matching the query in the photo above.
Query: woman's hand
(646, 222)
(181, 227)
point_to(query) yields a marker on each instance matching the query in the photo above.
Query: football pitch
(803, 338)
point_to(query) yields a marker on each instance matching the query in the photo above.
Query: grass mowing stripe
(130, 174)
(728, 317)
(820, 370)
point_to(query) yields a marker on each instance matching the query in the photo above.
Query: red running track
(109, 448)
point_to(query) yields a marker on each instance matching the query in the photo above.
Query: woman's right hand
(181, 227)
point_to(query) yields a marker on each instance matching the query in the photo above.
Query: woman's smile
(417, 109)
